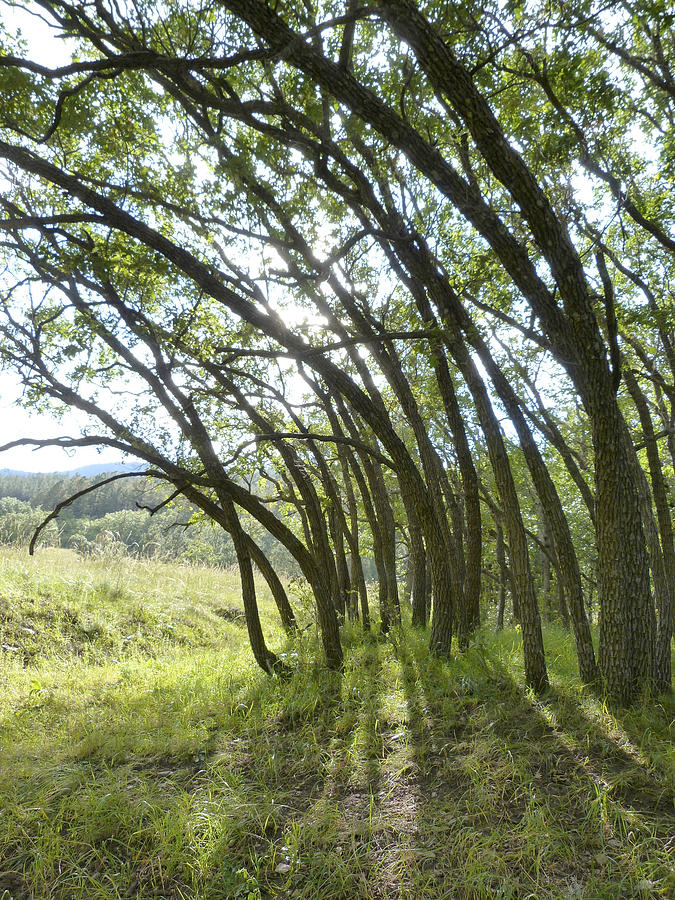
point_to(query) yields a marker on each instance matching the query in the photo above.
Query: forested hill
(47, 489)
(115, 519)
(90, 470)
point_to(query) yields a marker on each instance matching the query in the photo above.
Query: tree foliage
(408, 266)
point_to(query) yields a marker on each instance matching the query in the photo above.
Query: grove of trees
(390, 280)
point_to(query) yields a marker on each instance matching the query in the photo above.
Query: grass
(144, 755)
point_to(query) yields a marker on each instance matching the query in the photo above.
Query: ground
(144, 755)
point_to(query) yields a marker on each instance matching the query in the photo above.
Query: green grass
(144, 755)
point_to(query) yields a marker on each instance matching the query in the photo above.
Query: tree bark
(666, 549)
(277, 589)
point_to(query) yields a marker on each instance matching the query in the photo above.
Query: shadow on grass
(544, 800)
(404, 777)
(200, 787)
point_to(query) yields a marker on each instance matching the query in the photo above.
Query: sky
(15, 420)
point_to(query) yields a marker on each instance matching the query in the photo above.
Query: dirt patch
(230, 614)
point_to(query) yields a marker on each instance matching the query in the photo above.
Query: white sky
(15, 420)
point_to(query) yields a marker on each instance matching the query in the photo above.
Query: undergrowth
(144, 755)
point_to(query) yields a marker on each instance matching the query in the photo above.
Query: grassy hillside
(144, 755)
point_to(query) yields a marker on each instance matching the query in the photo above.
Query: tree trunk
(543, 550)
(662, 660)
(563, 609)
(276, 587)
(263, 656)
(626, 612)
(421, 599)
(501, 564)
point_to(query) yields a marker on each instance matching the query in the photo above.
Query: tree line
(375, 277)
(118, 518)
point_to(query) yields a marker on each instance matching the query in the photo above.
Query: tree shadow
(404, 776)
(541, 798)
(255, 783)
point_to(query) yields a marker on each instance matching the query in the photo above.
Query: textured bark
(544, 549)
(661, 674)
(425, 271)
(267, 660)
(503, 577)
(356, 586)
(290, 496)
(421, 588)
(382, 581)
(275, 585)
(456, 541)
(662, 554)
(626, 613)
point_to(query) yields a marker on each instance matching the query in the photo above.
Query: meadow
(143, 754)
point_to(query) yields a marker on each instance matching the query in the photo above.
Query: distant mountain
(88, 471)
(101, 468)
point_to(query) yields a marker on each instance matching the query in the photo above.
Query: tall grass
(144, 755)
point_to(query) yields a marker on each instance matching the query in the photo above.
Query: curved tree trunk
(277, 589)
(328, 624)
(267, 660)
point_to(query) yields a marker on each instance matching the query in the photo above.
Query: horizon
(90, 469)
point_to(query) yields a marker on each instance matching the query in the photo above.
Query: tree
(198, 178)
